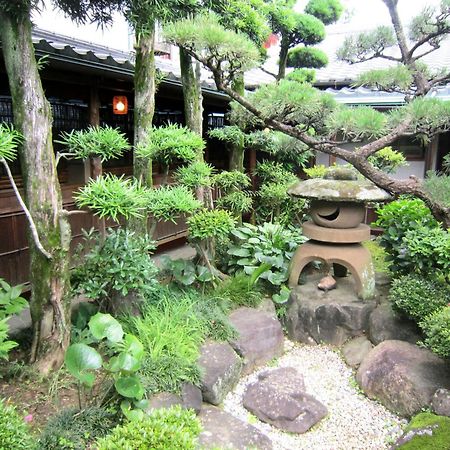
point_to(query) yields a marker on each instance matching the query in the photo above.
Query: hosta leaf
(80, 358)
(129, 387)
(105, 326)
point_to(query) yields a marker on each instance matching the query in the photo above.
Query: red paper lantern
(120, 104)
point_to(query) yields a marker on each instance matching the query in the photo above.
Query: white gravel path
(354, 422)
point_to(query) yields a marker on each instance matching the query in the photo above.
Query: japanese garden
(226, 227)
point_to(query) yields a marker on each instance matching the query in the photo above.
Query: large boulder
(402, 376)
(314, 316)
(278, 398)
(260, 337)
(385, 324)
(356, 350)
(190, 397)
(222, 430)
(221, 369)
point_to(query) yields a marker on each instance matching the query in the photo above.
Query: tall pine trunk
(144, 110)
(50, 302)
(193, 108)
(237, 149)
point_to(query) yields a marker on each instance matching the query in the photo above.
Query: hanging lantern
(120, 104)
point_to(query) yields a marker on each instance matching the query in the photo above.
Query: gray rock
(222, 430)
(356, 350)
(440, 403)
(221, 368)
(268, 307)
(402, 376)
(332, 317)
(260, 337)
(191, 396)
(278, 398)
(385, 324)
(164, 400)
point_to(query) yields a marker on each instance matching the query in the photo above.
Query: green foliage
(196, 174)
(418, 296)
(72, 429)
(239, 291)
(119, 264)
(9, 141)
(164, 429)
(438, 437)
(427, 250)
(10, 303)
(210, 224)
(317, 171)
(236, 202)
(328, 11)
(266, 249)
(387, 160)
(14, 432)
(367, 44)
(294, 103)
(104, 142)
(228, 133)
(306, 30)
(307, 57)
(356, 124)
(302, 76)
(432, 21)
(234, 179)
(274, 172)
(394, 79)
(397, 218)
(112, 197)
(205, 35)
(438, 187)
(436, 327)
(170, 202)
(171, 143)
(125, 353)
(185, 272)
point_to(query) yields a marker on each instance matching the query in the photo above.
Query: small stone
(356, 350)
(440, 403)
(327, 283)
(278, 398)
(164, 400)
(191, 396)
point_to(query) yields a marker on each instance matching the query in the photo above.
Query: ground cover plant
(14, 432)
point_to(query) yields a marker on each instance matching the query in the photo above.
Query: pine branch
(33, 228)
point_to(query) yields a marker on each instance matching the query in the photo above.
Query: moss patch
(439, 439)
(378, 256)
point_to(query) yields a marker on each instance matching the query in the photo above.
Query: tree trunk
(50, 302)
(192, 92)
(237, 150)
(144, 110)
(284, 50)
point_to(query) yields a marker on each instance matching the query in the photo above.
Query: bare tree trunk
(284, 50)
(237, 150)
(144, 110)
(50, 302)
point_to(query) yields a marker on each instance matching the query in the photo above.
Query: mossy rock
(426, 431)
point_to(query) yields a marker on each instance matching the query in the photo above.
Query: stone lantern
(335, 231)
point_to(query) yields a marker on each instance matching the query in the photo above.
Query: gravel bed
(354, 422)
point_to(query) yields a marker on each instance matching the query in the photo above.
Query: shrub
(14, 432)
(264, 251)
(239, 291)
(437, 331)
(387, 160)
(164, 429)
(417, 296)
(438, 439)
(210, 224)
(72, 429)
(397, 218)
(378, 256)
(438, 186)
(119, 265)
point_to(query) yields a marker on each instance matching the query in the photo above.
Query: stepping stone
(260, 337)
(356, 350)
(189, 398)
(403, 377)
(224, 431)
(221, 368)
(278, 398)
